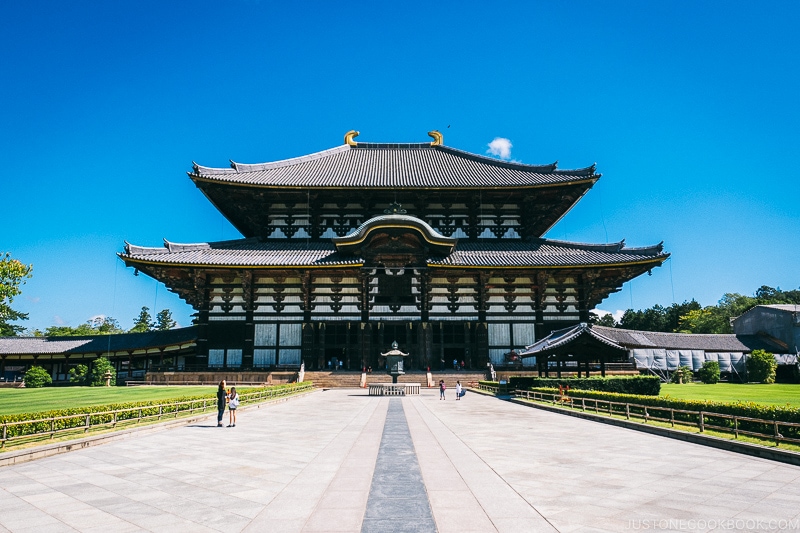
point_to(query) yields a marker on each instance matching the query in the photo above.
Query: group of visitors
(456, 365)
(229, 398)
(442, 387)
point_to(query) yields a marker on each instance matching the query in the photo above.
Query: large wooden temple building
(346, 250)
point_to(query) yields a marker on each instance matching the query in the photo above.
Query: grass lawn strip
(18, 401)
(773, 394)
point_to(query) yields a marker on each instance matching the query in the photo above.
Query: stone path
(483, 465)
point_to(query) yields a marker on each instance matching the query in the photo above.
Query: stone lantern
(107, 377)
(394, 362)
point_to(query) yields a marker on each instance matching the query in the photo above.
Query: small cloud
(616, 315)
(58, 320)
(33, 299)
(501, 147)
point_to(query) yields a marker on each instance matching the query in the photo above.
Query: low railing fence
(704, 420)
(85, 422)
(489, 388)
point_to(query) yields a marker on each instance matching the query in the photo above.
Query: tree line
(110, 326)
(691, 317)
(14, 274)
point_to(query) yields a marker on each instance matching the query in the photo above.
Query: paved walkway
(325, 462)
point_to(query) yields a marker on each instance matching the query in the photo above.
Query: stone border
(746, 448)
(46, 450)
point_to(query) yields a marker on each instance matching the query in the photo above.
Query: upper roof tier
(393, 166)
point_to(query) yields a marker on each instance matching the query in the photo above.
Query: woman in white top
(458, 390)
(233, 403)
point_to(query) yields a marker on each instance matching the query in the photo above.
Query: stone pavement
(340, 460)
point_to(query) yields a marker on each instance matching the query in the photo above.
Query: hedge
(148, 408)
(745, 409)
(645, 385)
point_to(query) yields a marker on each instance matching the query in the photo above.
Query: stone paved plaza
(340, 460)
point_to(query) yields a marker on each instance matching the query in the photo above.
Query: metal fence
(41, 428)
(737, 425)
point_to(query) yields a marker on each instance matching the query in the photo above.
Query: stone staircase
(347, 379)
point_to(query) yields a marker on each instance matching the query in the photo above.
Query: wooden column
(321, 348)
(307, 351)
(249, 325)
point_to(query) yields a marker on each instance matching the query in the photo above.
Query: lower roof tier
(252, 253)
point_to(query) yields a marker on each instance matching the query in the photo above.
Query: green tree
(13, 274)
(37, 377)
(761, 367)
(143, 323)
(97, 326)
(605, 320)
(79, 375)
(651, 319)
(101, 365)
(673, 314)
(164, 320)
(709, 372)
(707, 320)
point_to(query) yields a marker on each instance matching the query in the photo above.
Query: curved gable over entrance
(395, 234)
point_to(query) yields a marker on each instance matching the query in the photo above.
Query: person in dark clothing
(222, 396)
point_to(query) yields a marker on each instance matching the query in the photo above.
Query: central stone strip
(397, 500)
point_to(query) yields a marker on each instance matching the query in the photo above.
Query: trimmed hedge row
(744, 409)
(148, 408)
(644, 385)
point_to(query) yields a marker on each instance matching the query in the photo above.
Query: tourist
(222, 395)
(462, 365)
(455, 364)
(458, 390)
(441, 389)
(233, 403)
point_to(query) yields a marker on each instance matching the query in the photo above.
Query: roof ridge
(541, 169)
(237, 168)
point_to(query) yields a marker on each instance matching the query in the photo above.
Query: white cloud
(500, 147)
(617, 315)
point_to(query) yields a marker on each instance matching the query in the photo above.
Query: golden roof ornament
(349, 136)
(438, 139)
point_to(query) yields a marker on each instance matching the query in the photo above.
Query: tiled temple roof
(628, 339)
(386, 165)
(96, 343)
(496, 253)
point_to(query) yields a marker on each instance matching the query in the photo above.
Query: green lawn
(14, 401)
(775, 394)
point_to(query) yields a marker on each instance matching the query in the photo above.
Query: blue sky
(690, 110)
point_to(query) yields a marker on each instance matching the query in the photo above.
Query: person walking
(222, 395)
(441, 389)
(233, 403)
(458, 390)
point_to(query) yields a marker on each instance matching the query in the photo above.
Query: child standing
(441, 389)
(458, 390)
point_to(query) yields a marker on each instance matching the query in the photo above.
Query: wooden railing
(35, 429)
(667, 414)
